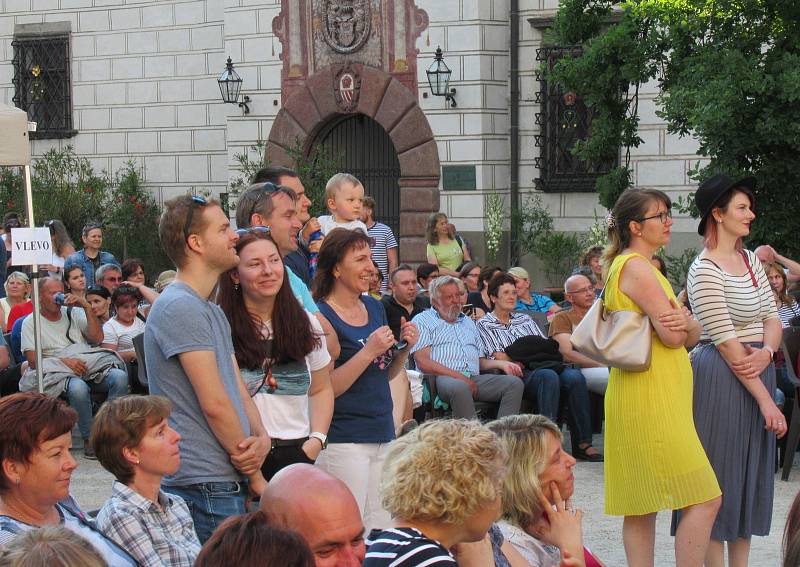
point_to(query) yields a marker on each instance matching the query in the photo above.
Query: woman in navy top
(362, 422)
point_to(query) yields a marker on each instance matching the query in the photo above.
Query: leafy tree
(728, 73)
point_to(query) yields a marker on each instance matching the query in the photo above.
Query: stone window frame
(46, 46)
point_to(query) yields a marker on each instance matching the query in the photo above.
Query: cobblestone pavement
(91, 485)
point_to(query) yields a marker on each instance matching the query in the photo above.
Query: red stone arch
(388, 102)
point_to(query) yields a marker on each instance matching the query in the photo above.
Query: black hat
(712, 190)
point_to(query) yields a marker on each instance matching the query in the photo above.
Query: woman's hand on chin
(560, 525)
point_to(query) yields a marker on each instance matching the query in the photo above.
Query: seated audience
(526, 299)
(469, 310)
(36, 470)
(133, 275)
(118, 332)
(363, 421)
(505, 334)
(9, 370)
(426, 273)
(50, 546)
(403, 301)
(470, 274)
(99, 299)
(538, 516)
(321, 509)
(75, 281)
(579, 290)
(18, 290)
(134, 442)
(450, 348)
(442, 483)
(768, 254)
(91, 257)
(788, 308)
(250, 541)
(69, 364)
(480, 299)
(164, 279)
(589, 265)
(109, 276)
(281, 351)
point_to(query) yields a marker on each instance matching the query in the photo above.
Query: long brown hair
(791, 535)
(337, 243)
(631, 206)
(292, 334)
(783, 296)
(430, 229)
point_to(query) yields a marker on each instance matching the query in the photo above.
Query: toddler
(343, 195)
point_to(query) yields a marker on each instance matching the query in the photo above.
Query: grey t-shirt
(181, 321)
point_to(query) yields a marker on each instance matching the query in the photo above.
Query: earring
(235, 287)
(719, 221)
(137, 461)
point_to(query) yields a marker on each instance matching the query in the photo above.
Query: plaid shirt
(153, 536)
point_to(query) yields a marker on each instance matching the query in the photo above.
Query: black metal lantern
(230, 85)
(439, 78)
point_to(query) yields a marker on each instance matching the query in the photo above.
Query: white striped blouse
(728, 306)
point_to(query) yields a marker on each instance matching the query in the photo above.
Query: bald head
(579, 290)
(320, 508)
(576, 281)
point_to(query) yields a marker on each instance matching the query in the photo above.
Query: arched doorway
(360, 146)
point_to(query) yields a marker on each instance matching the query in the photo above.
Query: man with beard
(450, 348)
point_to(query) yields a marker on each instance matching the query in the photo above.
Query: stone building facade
(143, 87)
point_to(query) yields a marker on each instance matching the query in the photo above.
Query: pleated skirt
(741, 451)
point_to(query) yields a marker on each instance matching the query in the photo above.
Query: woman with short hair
(100, 300)
(18, 289)
(134, 442)
(35, 471)
(470, 274)
(442, 483)
(50, 546)
(590, 265)
(133, 275)
(119, 331)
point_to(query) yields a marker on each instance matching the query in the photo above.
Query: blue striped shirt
(455, 345)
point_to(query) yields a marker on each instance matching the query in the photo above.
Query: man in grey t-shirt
(190, 360)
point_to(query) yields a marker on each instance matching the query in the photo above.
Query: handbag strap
(749, 268)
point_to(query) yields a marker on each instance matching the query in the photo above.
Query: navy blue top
(362, 414)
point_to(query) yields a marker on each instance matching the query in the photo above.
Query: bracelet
(770, 350)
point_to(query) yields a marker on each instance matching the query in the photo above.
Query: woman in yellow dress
(654, 460)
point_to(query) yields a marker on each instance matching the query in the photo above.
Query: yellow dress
(653, 456)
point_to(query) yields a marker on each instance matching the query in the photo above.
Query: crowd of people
(262, 404)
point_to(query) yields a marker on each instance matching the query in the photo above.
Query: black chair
(141, 369)
(790, 345)
(539, 318)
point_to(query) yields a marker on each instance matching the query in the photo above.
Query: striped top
(455, 345)
(728, 306)
(787, 312)
(405, 547)
(383, 239)
(497, 337)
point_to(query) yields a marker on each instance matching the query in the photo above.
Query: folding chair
(141, 369)
(790, 345)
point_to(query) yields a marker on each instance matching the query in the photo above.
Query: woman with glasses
(281, 351)
(653, 457)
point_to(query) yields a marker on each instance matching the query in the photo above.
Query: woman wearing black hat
(734, 412)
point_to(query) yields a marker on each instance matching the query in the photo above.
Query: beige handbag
(620, 339)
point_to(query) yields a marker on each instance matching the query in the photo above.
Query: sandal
(581, 455)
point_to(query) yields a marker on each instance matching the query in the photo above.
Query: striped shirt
(496, 337)
(728, 306)
(404, 547)
(153, 535)
(455, 345)
(383, 240)
(787, 312)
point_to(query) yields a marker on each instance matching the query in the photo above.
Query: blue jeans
(115, 384)
(545, 387)
(210, 503)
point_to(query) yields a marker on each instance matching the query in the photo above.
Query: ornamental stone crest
(347, 86)
(346, 24)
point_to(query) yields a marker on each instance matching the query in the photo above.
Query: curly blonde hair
(443, 471)
(525, 439)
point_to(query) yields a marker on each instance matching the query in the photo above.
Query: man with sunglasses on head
(91, 257)
(190, 360)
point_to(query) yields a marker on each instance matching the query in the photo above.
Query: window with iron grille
(42, 85)
(563, 120)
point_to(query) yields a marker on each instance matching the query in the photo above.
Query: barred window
(563, 120)
(42, 85)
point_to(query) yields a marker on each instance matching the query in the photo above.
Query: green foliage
(678, 267)
(533, 221)
(493, 225)
(65, 187)
(728, 73)
(247, 165)
(315, 168)
(598, 233)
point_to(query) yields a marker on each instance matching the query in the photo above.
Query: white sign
(31, 246)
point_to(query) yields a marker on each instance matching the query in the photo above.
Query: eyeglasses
(662, 216)
(240, 232)
(254, 387)
(586, 289)
(91, 226)
(50, 224)
(197, 201)
(266, 188)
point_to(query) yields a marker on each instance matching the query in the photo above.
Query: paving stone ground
(91, 485)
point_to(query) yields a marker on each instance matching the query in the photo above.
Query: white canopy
(15, 147)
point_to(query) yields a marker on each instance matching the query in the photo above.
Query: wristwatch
(322, 438)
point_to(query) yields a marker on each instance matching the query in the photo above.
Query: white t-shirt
(116, 333)
(327, 224)
(54, 333)
(284, 411)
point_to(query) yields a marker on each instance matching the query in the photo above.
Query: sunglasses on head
(240, 232)
(264, 189)
(197, 201)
